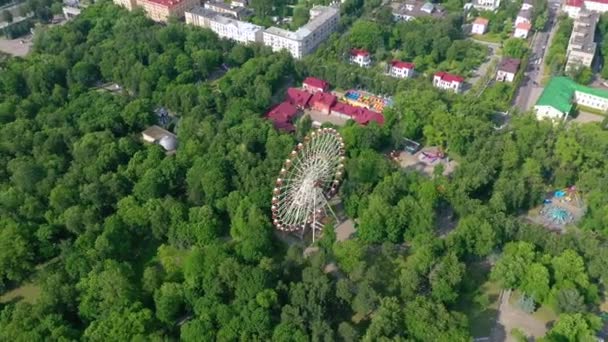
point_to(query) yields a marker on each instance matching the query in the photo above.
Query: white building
(561, 95)
(599, 6)
(522, 30)
(524, 16)
(507, 69)
(238, 12)
(323, 22)
(526, 5)
(480, 25)
(401, 69)
(360, 57)
(582, 46)
(224, 26)
(573, 7)
(486, 5)
(447, 81)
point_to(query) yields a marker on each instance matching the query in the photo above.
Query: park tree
(515, 47)
(512, 267)
(366, 35)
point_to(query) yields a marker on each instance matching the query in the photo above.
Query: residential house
(522, 30)
(401, 69)
(507, 69)
(480, 25)
(524, 16)
(486, 5)
(360, 57)
(447, 81)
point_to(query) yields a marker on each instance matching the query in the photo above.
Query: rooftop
(560, 90)
(283, 112)
(315, 82)
(359, 52)
(361, 115)
(509, 65)
(324, 98)
(416, 8)
(402, 65)
(298, 97)
(318, 16)
(447, 77)
(167, 3)
(156, 132)
(524, 26)
(224, 20)
(583, 32)
(574, 3)
(526, 14)
(481, 21)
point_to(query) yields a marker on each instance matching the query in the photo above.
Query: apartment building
(581, 47)
(323, 21)
(128, 4)
(486, 5)
(224, 26)
(238, 12)
(161, 10)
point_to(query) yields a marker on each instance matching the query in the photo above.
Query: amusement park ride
(307, 180)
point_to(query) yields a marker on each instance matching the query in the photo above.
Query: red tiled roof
(316, 83)
(446, 76)
(361, 115)
(509, 65)
(481, 21)
(574, 3)
(524, 26)
(298, 97)
(359, 52)
(324, 98)
(402, 65)
(167, 3)
(282, 113)
(284, 126)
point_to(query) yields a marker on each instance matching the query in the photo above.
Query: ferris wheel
(307, 180)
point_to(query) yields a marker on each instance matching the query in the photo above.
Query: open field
(27, 292)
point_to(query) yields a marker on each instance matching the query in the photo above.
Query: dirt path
(510, 318)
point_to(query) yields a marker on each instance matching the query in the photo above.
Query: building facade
(582, 46)
(161, 10)
(522, 30)
(447, 81)
(561, 95)
(128, 4)
(401, 69)
(323, 22)
(224, 26)
(360, 57)
(486, 5)
(507, 69)
(479, 26)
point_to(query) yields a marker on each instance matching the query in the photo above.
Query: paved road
(530, 88)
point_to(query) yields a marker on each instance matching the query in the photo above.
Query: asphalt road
(530, 88)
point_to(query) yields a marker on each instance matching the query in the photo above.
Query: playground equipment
(432, 157)
(556, 215)
(568, 195)
(362, 99)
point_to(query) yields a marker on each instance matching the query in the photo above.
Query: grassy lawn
(27, 292)
(479, 300)
(488, 37)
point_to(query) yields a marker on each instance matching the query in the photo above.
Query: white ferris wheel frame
(310, 176)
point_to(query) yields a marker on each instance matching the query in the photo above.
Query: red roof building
(574, 3)
(360, 57)
(322, 102)
(315, 85)
(445, 80)
(361, 115)
(298, 98)
(282, 116)
(401, 69)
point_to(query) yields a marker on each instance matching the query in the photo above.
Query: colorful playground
(560, 208)
(367, 100)
(423, 160)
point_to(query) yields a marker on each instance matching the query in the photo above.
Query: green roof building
(562, 94)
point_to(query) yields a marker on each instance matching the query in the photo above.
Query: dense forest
(128, 243)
